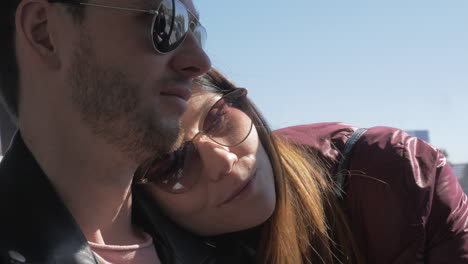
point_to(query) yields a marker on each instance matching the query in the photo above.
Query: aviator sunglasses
(228, 123)
(170, 24)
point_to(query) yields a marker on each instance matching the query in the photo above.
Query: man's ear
(32, 23)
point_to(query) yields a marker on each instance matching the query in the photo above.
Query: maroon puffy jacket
(405, 205)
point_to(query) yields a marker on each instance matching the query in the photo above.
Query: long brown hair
(309, 224)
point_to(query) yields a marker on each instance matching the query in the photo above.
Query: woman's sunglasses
(228, 123)
(170, 25)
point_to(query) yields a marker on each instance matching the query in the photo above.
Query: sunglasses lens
(172, 173)
(200, 35)
(228, 122)
(170, 26)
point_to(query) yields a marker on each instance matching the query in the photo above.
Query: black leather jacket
(36, 227)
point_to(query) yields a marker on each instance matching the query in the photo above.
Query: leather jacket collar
(35, 226)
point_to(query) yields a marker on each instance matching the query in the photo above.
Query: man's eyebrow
(153, 4)
(149, 2)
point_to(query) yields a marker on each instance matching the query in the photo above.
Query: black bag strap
(344, 162)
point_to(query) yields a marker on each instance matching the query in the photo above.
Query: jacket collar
(35, 225)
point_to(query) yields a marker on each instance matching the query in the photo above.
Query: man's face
(125, 92)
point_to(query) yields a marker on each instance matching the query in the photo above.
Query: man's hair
(9, 69)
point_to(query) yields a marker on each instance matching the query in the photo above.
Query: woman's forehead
(203, 99)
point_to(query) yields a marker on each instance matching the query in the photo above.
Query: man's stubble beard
(108, 104)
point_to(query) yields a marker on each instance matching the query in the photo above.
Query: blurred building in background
(461, 171)
(421, 134)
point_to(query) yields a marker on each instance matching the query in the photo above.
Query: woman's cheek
(251, 144)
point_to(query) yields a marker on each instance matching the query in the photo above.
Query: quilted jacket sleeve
(406, 205)
(447, 222)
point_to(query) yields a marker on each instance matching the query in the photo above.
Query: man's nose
(189, 59)
(218, 161)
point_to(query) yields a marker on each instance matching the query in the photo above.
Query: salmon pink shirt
(144, 253)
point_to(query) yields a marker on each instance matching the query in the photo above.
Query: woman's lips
(240, 190)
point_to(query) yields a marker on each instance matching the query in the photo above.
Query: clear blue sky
(400, 63)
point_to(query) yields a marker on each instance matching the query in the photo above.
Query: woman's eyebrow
(205, 107)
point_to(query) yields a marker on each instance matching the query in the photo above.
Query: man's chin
(160, 142)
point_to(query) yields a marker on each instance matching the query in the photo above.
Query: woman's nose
(217, 160)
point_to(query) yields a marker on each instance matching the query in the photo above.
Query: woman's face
(235, 189)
